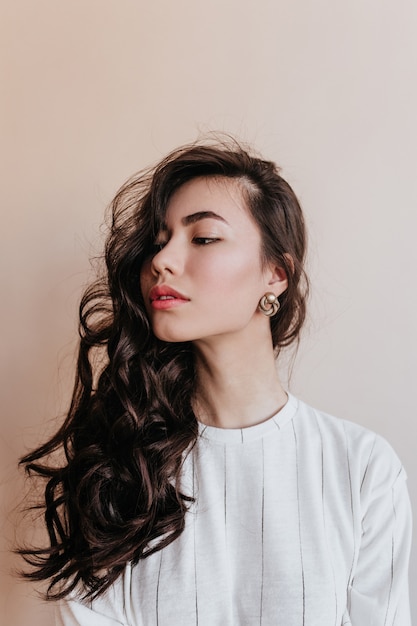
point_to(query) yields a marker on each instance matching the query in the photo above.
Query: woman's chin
(172, 337)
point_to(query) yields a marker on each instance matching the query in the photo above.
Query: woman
(195, 489)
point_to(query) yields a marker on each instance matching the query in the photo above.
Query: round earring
(269, 304)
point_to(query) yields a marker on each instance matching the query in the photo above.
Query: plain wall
(93, 90)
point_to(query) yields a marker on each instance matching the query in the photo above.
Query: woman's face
(206, 277)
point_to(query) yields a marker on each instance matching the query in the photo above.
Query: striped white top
(302, 520)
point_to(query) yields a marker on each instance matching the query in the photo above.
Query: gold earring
(269, 304)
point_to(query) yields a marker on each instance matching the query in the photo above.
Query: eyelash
(198, 241)
(205, 241)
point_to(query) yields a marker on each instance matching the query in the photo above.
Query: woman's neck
(237, 385)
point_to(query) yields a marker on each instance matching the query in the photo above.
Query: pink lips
(164, 297)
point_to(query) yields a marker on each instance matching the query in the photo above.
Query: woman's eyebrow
(201, 215)
(196, 217)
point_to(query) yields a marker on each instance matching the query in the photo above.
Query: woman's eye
(204, 241)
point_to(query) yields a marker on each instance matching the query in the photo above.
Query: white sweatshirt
(302, 520)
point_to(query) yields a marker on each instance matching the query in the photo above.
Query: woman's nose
(167, 259)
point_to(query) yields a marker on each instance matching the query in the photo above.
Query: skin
(214, 262)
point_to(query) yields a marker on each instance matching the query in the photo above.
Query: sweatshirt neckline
(251, 433)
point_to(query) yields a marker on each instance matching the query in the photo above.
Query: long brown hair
(114, 497)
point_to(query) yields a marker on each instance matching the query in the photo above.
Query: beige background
(93, 90)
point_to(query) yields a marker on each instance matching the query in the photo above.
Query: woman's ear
(278, 275)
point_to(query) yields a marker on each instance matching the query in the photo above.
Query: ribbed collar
(251, 433)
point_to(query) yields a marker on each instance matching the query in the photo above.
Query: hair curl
(115, 497)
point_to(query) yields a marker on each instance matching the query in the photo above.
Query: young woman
(193, 489)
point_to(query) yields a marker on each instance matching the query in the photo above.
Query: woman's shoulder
(361, 447)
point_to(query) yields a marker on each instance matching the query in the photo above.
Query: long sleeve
(378, 595)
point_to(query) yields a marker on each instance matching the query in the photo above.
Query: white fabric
(302, 520)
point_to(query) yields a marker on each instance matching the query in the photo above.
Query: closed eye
(205, 241)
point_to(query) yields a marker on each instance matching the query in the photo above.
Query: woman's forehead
(217, 197)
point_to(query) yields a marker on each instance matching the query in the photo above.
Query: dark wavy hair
(112, 470)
